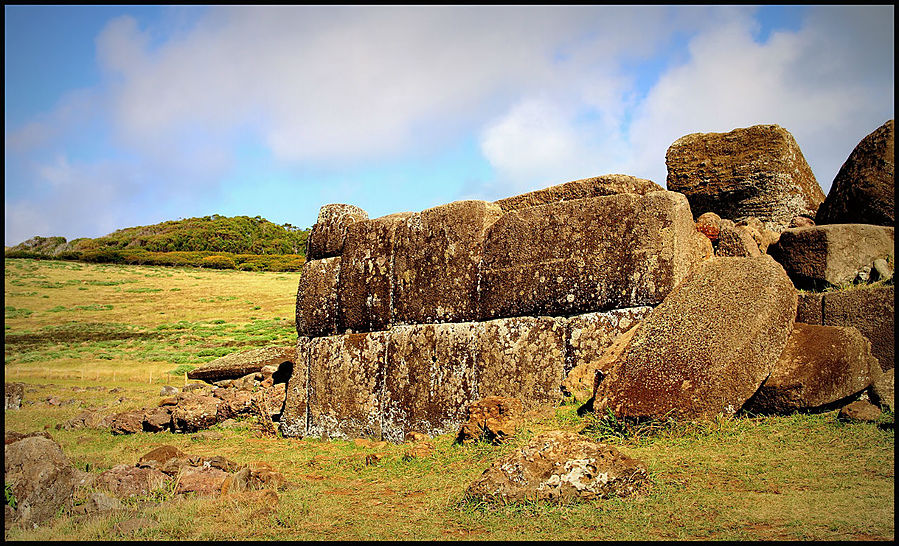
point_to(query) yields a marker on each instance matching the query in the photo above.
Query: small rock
(128, 481)
(206, 435)
(859, 410)
(419, 450)
(128, 422)
(493, 418)
(881, 271)
(413, 437)
(168, 390)
(160, 456)
(54, 401)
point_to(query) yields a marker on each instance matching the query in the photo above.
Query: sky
(119, 116)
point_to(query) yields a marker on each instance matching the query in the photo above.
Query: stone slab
(294, 418)
(872, 311)
(317, 298)
(241, 363)
(609, 184)
(587, 336)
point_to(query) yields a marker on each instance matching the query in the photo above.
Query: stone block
(609, 184)
(756, 171)
(587, 336)
(328, 235)
(345, 384)
(365, 290)
(588, 255)
(872, 311)
(241, 363)
(294, 418)
(317, 298)
(833, 255)
(436, 263)
(810, 308)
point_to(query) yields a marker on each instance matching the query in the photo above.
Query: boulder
(125, 481)
(195, 412)
(127, 422)
(241, 363)
(293, 418)
(344, 392)
(587, 336)
(863, 191)
(327, 236)
(737, 241)
(883, 390)
(833, 255)
(872, 311)
(317, 298)
(86, 419)
(560, 467)
(756, 171)
(588, 255)
(430, 376)
(365, 289)
(39, 476)
(159, 456)
(709, 224)
(859, 411)
(158, 419)
(235, 402)
(168, 390)
(493, 419)
(708, 347)
(437, 257)
(13, 394)
(819, 366)
(202, 481)
(609, 184)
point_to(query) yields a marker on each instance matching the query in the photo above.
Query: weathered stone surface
(708, 347)
(317, 298)
(883, 390)
(581, 381)
(13, 394)
(169, 390)
(436, 263)
(609, 184)
(327, 236)
(345, 378)
(756, 171)
(127, 422)
(524, 358)
(820, 365)
(430, 377)
(587, 336)
(709, 224)
(159, 456)
(293, 419)
(130, 481)
(203, 481)
(560, 466)
(872, 311)
(832, 255)
(158, 419)
(365, 289)
(860, 411)
(809, 309)
(588, 255)
(235, 402)
(737, 241)
(86, 419)
(493, 419)
(195, 412)
(239, 364)
(863, 192)
(40, 476)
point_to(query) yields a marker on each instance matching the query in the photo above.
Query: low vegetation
(132, 329)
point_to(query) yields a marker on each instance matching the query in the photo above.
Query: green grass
(798, 477)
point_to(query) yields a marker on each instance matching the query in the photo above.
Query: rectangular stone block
(365, 289)
(588, 255)
(345, 384)
(587, 336)
(436, 263)
(430, 378)
(327, 236)
(317, 298)
(524, 358)
(609, 184)
(872, 311)
(294, 417)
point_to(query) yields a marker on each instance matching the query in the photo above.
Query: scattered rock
(39, 475)
(494, 419)
(561, 467)
(195, 412)
(859, 411)
(418, 450)
(87, 419)
(158, 419)
(12, 436)
(204, 481)
(14, 392)
(159, 456)
(125, 481)
(127, 422)
(168, 390)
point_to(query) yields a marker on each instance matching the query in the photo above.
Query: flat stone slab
(820, 365)
(755, 171)
(588, 255)
(328, 235)
(819, 257)
(317, 298)
(609, 184)
(708, 347)
(437, 256)
(241, 363)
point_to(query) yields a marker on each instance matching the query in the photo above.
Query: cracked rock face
(561, 467)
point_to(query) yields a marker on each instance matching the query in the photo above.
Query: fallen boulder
(560, 467)
(863, 190)
(39, 476)
(241, 363)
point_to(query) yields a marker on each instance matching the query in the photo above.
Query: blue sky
(119, 116)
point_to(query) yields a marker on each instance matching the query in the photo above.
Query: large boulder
(588, 255)
(365, 289)
(328, 235)
(317, 298)
(871, 310)
(437, 261)
(756, 171)
(833, 255)
(609, 184)
(39, 476)
(708, 347)
(820, 365)
(241, 363)
(560, 466)
(863, 192)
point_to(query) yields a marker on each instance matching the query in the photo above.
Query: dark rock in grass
(11, 436)
(494, 419)
(125, 481)
(195, 412)
(316, 313)
(820, 365)
(160, 456)
(609, 184)
(326, 239)
(560, 467)
(158, 419)
(128, 422)
(241, 363)
(859, 411)
(13, 394)
(203, 481)
(39, 476)
(883, 390)
(863, 192)
(871, 310)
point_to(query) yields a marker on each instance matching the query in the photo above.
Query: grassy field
(135, 328)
